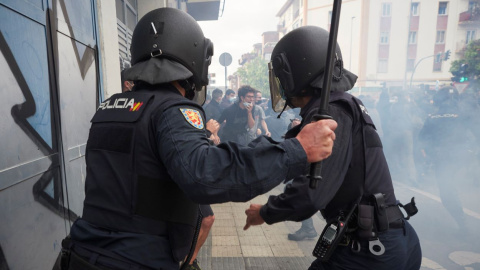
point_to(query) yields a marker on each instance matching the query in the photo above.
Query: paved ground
(267, 247)
(261, 247)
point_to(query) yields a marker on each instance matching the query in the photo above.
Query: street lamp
(351, 39)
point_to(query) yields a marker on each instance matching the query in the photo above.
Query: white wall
(108, 39)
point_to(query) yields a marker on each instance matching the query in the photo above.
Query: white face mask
(232, 99)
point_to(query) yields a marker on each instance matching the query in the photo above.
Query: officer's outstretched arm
(232, 172)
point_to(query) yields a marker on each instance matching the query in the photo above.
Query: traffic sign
(460, 86)
(225, 59)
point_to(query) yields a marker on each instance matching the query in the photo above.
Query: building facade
(396, 42)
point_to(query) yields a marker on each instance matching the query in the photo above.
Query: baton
(316, 168)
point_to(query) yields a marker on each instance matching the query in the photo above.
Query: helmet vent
(154, 29)
(157, 28)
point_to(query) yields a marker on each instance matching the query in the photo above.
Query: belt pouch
(365, 221)
(381, 218)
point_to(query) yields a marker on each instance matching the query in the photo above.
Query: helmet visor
(201, 89)
(277, 92)
(208, 53)
(200, 96)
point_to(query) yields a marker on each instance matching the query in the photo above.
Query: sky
(235, 32)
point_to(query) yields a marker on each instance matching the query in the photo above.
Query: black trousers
(76, 263)
(402, 252)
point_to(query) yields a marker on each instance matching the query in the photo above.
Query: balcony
(296, 13)
(471, 16)
(246, 58)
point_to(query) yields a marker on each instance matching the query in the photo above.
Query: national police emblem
(193, 117)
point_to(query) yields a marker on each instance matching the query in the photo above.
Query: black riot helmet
(298, 63)
(168, 33)
(446, 97)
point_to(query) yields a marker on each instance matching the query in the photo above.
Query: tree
(468, 67)
(255, 74)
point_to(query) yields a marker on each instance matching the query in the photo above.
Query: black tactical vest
(127, 187)
(368, 172)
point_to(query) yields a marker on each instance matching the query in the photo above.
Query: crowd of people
(431, 137)
(246, 116)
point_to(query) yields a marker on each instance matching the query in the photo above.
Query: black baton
(316, 168)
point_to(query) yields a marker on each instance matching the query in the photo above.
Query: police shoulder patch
(193, 117)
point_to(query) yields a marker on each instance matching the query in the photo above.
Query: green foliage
(255, 74)
(472, 61)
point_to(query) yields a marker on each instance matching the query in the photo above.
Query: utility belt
(75, 257)
(362, 223)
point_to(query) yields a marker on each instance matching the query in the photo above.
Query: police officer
(356, 178)
(149, 162)
(446, 138)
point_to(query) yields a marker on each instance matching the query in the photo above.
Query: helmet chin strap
(189, 88)
(284, 107)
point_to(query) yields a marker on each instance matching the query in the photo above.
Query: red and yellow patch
(193, 117)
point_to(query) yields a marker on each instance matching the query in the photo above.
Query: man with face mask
(258, 97)
(228, 99)
(150, 163)
(356, 191)
(241, 118)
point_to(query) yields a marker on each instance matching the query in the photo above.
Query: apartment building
(396, 42)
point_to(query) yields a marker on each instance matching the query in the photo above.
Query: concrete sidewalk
(261, 247)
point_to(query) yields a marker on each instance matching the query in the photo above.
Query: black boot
(306, 231)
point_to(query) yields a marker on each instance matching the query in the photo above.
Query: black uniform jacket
(147, 155)
(356, 167)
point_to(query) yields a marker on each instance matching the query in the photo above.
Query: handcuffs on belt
(371, 219)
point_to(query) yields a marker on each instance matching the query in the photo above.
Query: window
(412, 37)
(133, 3)
(472, 5)
(386, 9)
(127, 12)
(437, 63)
(437, 66)
(470, 36)
(410, 64)
(442, 8)
(384, 37)
(440, 37)
(131, 19)
(414, 9)
(120, 12)
(382, 65)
